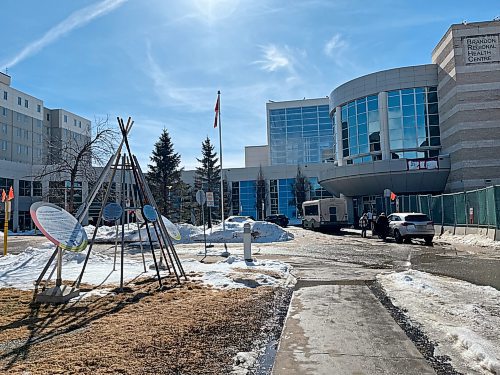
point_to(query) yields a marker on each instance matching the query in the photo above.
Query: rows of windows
(361, 128)
(248, 198)
(413, 123)
(20, 150)
(244, 194)
(65, 119)
(413, 120)
(25, 188)
(300, 135)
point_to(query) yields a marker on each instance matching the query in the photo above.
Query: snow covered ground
(262, 232)
(463, 318)
(468, 239)
(20, 271)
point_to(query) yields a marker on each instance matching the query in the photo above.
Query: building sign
(481, 49)
(418, 164)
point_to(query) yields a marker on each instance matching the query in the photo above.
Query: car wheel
(428, 240)
(407, 240)
(397, 236)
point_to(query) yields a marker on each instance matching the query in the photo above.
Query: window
(37, 188)
(74, 122)
(4, 145)
(80, 124)
(65, 118)
(19, 149)
(4, 111)
(48, 116)
(19, 100)
(4, 128)
(5, 95)
(24, 188)
(38, 108)
(26, 103)
(19, 132)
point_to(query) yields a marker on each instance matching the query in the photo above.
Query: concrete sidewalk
(337, 326)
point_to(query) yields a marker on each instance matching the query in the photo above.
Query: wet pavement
(479, 271)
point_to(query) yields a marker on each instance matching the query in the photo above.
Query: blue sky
(162, 61)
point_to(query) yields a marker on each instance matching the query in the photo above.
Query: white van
(327, 213)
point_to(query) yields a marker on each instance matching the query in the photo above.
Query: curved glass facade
(413, 123)
(412, 120)
(301, 135)
(361, 130)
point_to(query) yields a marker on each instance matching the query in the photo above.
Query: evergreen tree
(207, 175)
(300, 190)
(164, 175)
(261, 195)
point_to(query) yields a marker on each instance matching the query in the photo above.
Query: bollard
(247, 242)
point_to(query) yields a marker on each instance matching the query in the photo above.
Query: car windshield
(418, 217)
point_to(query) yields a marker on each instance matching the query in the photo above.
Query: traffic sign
(200, 197)
(210, 199)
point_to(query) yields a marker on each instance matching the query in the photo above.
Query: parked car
(279, 219)
(239, 219)
(404, 226)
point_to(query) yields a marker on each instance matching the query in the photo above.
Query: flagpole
(221, 175)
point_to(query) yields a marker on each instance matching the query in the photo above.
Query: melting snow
(463, 318)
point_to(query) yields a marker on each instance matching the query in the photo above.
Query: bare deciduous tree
(72, 155)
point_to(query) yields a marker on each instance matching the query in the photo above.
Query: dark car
(279, 219)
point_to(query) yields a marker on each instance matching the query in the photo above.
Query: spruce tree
(207, 175)
(261, 195)
(164, 175)
(300, 189)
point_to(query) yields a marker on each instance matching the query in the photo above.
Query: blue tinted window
(393, 101)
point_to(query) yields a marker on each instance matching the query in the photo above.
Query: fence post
(478, 206)
(454, 214)
(487, 213)
(466, 212)
(442, 214)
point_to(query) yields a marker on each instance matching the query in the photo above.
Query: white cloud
(275, 59)
(73, 21)
(335, 46)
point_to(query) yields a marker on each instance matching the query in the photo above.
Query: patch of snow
(262, 232)
(21, 270)
(461, 317)
(468, 239)
(243, 361)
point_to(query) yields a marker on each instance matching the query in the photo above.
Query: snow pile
(463, 318)
(468, 239)
(20, 271)
(261, 232)
(235, 272)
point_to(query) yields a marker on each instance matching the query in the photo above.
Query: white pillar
(384, 125)
(338, 131)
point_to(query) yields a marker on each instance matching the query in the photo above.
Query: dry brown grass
(185, 330)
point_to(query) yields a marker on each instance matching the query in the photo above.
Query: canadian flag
(216, 110)
(4, 196)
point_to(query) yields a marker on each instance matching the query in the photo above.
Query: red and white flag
(11, 194)
(216, 111)
(4, 196)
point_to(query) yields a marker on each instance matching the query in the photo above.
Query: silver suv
(405, 226)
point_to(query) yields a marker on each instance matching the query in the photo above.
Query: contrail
(75, 20)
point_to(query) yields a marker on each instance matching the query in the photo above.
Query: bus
(326, 213)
